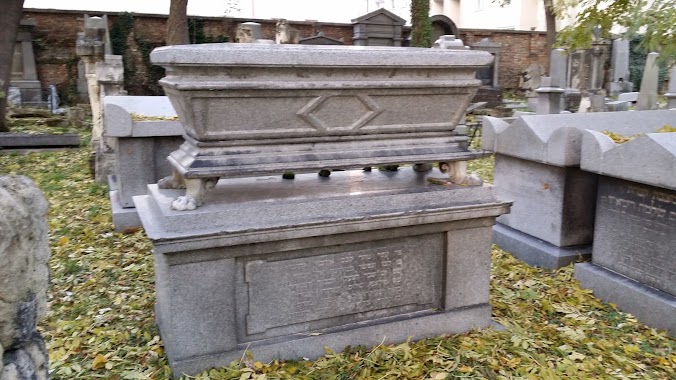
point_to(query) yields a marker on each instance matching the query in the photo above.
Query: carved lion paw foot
(170, 182)
(184, 203)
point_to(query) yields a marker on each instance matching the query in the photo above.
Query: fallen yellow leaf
(99, 361)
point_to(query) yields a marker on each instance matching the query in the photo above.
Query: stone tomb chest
(146, 130)
(537, 166)
(283, 267)
(634, 253)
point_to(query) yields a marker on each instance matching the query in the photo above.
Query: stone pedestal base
(651, 306)
(536, 252)
(284, 268)
(123, 218)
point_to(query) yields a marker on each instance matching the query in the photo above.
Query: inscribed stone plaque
(383, 275)
(636, 232)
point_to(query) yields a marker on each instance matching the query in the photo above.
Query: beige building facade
(486, 14)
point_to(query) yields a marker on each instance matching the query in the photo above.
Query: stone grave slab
(628, 97)
(635, 226)
(29, 140)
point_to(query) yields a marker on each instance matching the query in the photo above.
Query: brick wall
(519, 50)
(56, 31)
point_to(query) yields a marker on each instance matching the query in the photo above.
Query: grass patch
(100, 321)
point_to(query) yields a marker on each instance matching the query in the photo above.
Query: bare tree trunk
(421, 28)
(177, 24)
(550, 21)
(10, 16)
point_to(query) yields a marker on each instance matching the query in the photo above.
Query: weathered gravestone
(634, 253)
(320, 39)
(24, 75)
(24, 274)
(490, 91)
(615, 106)
(647, 96)
(537, 165)
(671, 92)
(285, 268)
(619, 63)
(146, 130)
(248, 32)
(378, 28)
(551, 93)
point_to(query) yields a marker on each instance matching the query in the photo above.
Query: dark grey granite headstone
(634, 257)
(635, 232)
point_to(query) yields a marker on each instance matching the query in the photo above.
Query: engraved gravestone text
(326, 286)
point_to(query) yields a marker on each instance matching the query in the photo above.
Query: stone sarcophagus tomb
(285, 267)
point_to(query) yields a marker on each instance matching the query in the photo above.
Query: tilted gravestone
(647, 96)
(285, 268)
(537, 162)
(633, 261)
(24, 276)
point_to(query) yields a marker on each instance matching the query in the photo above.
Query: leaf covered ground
(100, 322)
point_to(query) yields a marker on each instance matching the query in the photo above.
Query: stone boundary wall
(56, 30)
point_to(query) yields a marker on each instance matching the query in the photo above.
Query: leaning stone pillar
(110, 82)
(90, 47)
(24, 273)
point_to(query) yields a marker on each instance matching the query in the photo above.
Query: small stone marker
(598, 103)
(449, 42)
(549, 98)
(617, 106)
(628, 97)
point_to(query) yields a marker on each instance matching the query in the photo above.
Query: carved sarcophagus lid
(242, 91)
(259, 109)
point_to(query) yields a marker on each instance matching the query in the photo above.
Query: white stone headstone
(628, 97)
(449, 42)
(619, 60)
(558, 66)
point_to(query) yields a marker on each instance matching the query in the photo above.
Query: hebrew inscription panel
(636, 232)
(386, 275)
